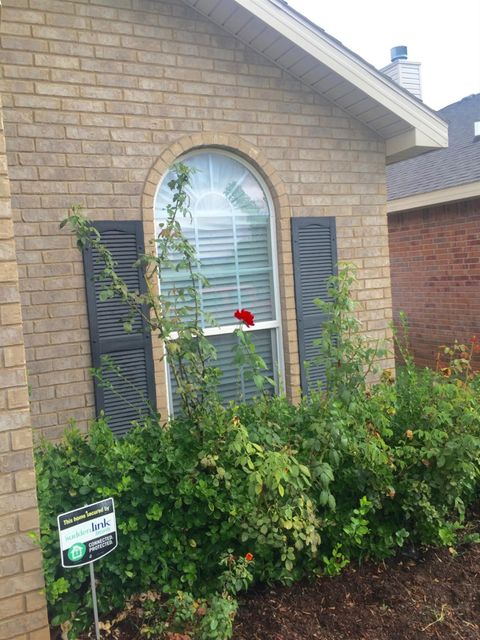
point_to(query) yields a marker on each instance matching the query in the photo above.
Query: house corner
(23, 612)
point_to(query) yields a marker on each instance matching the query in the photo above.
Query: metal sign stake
(94, 599)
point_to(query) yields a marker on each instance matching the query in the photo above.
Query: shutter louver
(130, 393)
(314, 261)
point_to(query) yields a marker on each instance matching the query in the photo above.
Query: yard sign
(87, 534)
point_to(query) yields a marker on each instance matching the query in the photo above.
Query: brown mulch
(436, 596)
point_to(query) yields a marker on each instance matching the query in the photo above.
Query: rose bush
(265, 490)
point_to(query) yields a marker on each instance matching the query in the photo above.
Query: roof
(319, 61)
(445, 174)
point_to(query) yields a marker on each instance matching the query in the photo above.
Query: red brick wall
(435, 263)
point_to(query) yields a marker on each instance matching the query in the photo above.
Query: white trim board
(441, 196)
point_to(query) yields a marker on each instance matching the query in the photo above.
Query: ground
(436, 595)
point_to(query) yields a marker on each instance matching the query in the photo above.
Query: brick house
(434, 234)
(100, 97)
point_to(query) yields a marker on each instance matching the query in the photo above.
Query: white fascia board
(349, 66)
(440, 196)
(400, 147)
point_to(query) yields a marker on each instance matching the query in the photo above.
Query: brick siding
(95, 92)
(22, 605)
(435, 262)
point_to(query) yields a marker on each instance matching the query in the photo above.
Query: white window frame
(275, 325)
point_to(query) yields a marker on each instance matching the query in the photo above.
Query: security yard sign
(88, 533)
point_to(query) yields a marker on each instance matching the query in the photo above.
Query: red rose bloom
(249, 557)
(245, 316)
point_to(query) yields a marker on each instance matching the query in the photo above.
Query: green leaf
(305, 470)
(155, 512)
(259, 381)
(105, 294)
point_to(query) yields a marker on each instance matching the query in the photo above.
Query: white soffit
(321, 62)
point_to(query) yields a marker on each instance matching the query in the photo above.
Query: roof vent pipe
(398, 53)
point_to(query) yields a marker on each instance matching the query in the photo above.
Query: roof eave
(427, 131)
(413, 143)
(417, 127)
(457, 193)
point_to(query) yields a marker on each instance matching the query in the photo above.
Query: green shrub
(182, 500)
(435, 447)
(304, 489)
(357, 471)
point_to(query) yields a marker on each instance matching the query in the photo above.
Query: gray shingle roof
(458, 164)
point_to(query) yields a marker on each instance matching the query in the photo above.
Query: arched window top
(221, 184)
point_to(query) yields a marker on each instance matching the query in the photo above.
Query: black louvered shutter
(314, 261)
(133, 388)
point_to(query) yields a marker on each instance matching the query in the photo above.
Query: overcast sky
(443, 36)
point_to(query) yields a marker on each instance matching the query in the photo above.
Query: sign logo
(77, 552)
(88, 533)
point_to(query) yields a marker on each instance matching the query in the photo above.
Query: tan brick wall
(22, 605)
(96, 93)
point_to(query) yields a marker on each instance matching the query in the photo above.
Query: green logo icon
(77, 552)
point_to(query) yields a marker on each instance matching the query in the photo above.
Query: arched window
(233, 231)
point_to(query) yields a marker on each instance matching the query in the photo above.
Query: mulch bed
(435, 596)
